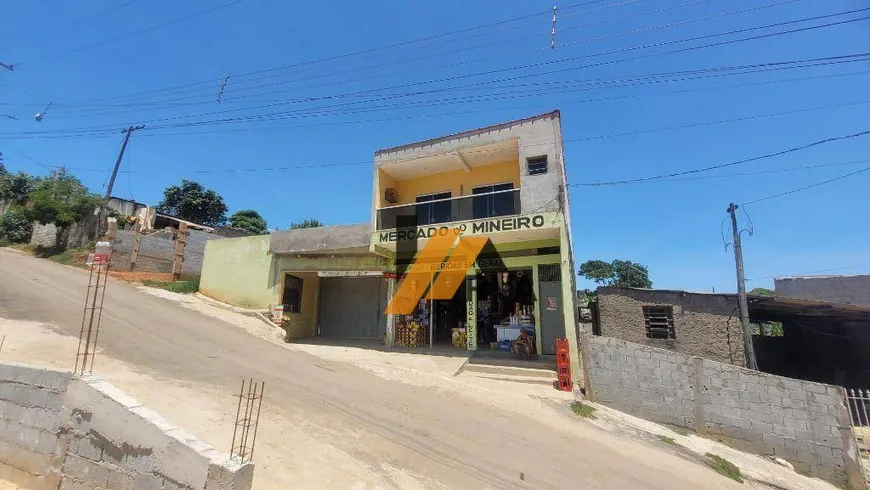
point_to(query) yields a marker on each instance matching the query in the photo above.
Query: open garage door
(352, 307)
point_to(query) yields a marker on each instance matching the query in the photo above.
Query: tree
(248, 220)
(63, 200)
(306, 223)
(192, 202)
(14, 188)
(15, 226)
(622, 273)
(762, 292)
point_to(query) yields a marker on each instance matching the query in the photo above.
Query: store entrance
(448, 320)
(505, 307)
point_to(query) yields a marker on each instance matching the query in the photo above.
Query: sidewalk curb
(259, 314)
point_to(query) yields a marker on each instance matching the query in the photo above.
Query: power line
(25, 155)
(282, 115)
(729, 164)
(465, 48)
(136, 33)
(550, 62)
(810, 272)
(360, 52)
(799, 189)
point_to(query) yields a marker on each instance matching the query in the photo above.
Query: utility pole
(127, 132)
(748, 349)
(105, 205)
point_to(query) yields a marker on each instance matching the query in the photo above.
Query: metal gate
(352, 307)
(552, 321)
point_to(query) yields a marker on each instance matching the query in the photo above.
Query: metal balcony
(430, 212)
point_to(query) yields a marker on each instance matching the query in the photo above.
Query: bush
(15, 226)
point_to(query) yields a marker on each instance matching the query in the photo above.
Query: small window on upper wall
(659, 322)
(537, 165)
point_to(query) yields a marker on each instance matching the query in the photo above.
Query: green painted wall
(239, 271)
(242, 272)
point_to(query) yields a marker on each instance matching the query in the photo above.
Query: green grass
(668, 440)
(585, 411)
(186, 286)
(76, 257)
(724, 467)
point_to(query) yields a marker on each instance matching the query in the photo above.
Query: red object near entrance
(563, 365)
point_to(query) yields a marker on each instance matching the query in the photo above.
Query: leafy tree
(248, 220)
(15, 226)
(306, 223)
(623, 273)
(192, 202)
(63, 200)
(14, 188)
(762, 292)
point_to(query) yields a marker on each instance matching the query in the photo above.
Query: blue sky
(104, 65)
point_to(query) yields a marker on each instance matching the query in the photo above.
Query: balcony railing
(475, 206)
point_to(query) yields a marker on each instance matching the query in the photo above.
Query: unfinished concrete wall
(46, 235)
(706, 325)
(803, 422)
(156, 251)
(850, 290)
(59, 431)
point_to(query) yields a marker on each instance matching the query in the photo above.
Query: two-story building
(502, 187)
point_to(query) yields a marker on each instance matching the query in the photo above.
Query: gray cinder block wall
(850, 290)
(803, 422)
(59, 431)
(706, 325)
(156, 251)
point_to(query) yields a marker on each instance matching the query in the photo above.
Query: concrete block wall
(59, 431)
(803, 422)
(156, 251)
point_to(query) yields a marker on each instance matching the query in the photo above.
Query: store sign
(491, 225)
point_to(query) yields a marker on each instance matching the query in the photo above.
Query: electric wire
(729, 164)
(280, 114)
(806, 187)
(549, 62)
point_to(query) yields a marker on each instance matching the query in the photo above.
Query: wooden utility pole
(134, 255)
(180, 243)
(748, 349)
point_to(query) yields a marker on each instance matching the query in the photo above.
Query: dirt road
(328, 424)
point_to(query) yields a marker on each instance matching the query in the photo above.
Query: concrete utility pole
(748, 349)
(128, 132)
(102, 211)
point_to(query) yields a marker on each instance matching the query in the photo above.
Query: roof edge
(555, 114)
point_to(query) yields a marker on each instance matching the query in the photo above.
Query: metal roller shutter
(352, 307)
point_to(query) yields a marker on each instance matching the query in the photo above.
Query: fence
(806, 423)
(859, 407)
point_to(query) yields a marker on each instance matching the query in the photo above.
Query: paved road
(437, 434)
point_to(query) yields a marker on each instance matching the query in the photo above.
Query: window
(537, 165)
(434, 212)
(486, 204)
(659, 321)
(292, 298)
